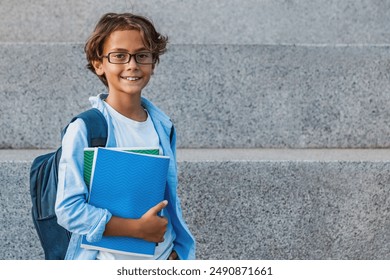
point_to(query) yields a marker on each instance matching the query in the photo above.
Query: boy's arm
(73, 211)
(150, 227)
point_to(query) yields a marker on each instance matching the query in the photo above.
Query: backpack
(43, 187)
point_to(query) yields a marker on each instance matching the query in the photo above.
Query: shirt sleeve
(72, 209)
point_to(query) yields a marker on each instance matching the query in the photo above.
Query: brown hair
(110, 22)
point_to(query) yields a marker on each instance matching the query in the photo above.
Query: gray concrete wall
(218, 96)
(287, 206)
(206, 22)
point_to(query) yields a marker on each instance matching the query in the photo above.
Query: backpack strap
(97, 128)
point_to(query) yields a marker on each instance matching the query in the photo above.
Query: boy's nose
(132, 63)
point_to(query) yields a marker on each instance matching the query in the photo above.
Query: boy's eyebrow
(125, 50)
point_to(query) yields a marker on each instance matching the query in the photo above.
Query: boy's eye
(120, 55)
(142, 55)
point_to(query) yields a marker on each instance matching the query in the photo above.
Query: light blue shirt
(80, 218)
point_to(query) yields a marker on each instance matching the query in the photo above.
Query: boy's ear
(98, 65)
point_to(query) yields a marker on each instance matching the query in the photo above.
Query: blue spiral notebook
(127, 184)
(90, 152)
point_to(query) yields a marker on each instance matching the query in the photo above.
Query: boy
(123, 51)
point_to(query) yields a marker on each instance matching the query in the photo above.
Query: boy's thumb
(160, 206)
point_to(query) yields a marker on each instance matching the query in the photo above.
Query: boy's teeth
(132, 78)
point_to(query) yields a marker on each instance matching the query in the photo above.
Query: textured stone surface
(18, 239)
(217, 95)
(206, 22)
(288, 210)
(250, 209)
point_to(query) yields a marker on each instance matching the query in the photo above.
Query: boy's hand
(173, 256)
(152, 226)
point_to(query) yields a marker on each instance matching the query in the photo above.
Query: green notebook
(89, 154)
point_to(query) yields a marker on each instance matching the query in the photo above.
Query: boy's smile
(131, 78)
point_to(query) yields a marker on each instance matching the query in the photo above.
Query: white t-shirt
(130, 133)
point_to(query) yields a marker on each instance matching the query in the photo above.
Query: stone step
(206, 22)
(250, 203)
(219, 96)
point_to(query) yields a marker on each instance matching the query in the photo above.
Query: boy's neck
(128, 106)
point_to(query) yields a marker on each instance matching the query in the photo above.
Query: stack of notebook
(127, 182)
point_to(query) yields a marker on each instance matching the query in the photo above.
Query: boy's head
(110, 22)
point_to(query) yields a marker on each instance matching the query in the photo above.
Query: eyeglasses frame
(131, 55)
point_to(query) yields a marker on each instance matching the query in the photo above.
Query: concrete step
(219, 96)
(206, 22)
(250, 204)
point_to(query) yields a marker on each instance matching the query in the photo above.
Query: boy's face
(129, 78)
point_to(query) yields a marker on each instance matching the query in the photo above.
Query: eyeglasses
(125, 57)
